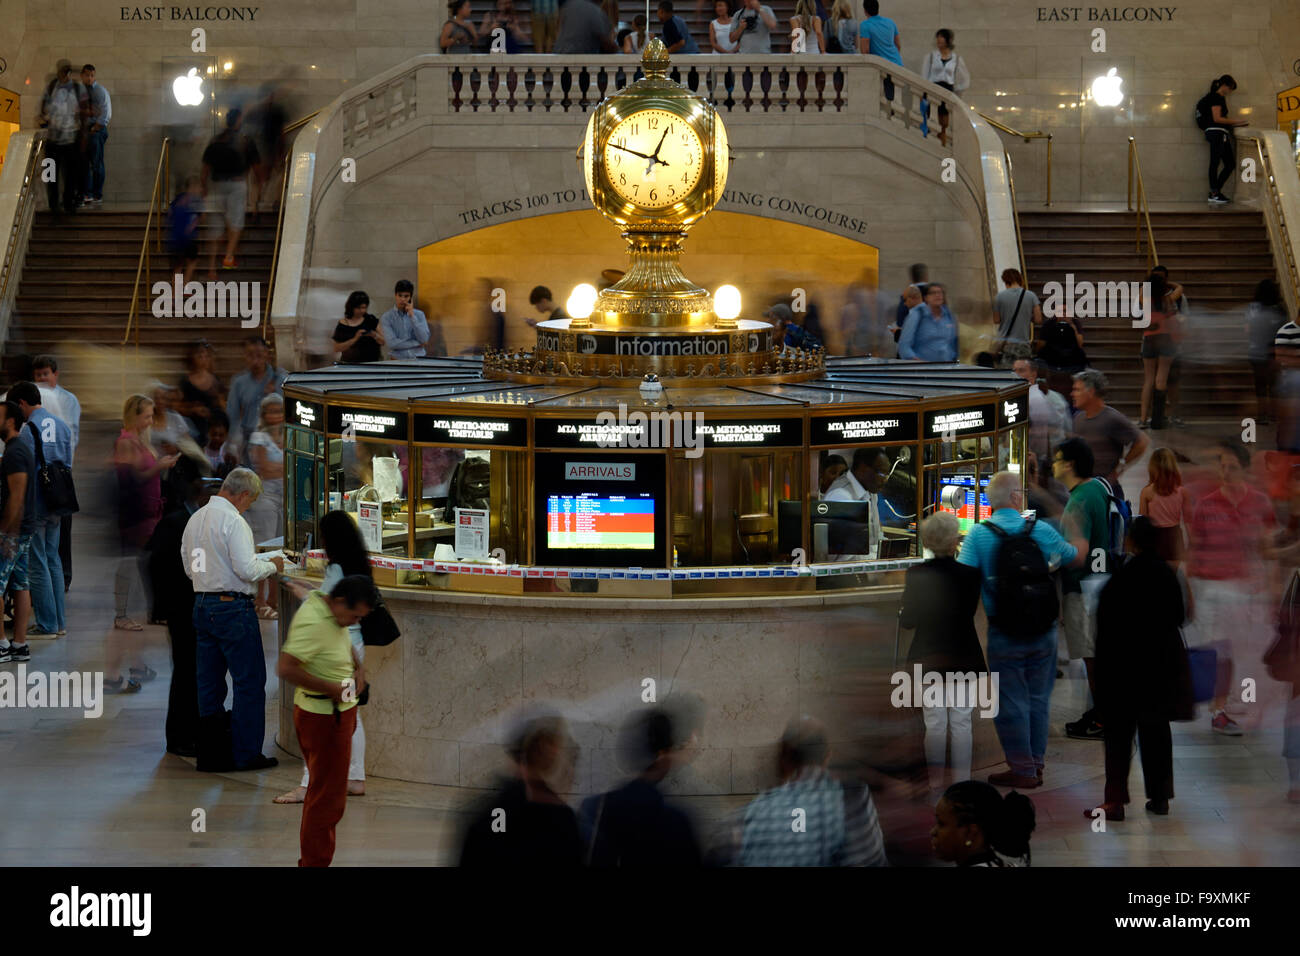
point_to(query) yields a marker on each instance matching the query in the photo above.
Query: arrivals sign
(588, 433)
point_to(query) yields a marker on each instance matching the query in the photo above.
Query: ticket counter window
(466, 503)
(863, 503)
(366, 481)
(957, 474)
(727, 506)
(304, 476)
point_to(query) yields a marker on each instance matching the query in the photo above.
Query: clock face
(721, 156)
(653, 159)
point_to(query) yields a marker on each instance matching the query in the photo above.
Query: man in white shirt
(863, 482)
(62, 404)
(1049, 414)
(219, 556)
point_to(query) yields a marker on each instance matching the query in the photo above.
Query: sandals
(120, 686)
(143, 674)
(268, 613)
(126, 624)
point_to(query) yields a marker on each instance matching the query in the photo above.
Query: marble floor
(104, 792)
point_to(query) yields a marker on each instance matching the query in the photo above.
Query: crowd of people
(77, 113)
(738, 26)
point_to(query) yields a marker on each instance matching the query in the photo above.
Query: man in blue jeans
(219, 556)
(1026, 667)
(99, 111)
(46, 566)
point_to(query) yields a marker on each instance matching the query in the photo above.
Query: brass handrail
(30, 178)
(158, 198)
(1027, 137)
(1293, 274)
(279, 225)
(1015, 219)
(1143, 207)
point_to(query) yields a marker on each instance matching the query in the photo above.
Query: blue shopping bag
(1203, 663)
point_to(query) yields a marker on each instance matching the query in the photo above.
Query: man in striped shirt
(811, 819)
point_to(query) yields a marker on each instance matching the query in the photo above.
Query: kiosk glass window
(467, 502)
(367, 481)
(863, 503)
(304, 477)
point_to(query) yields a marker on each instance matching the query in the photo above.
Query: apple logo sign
(586, 344)
(188, 89)
(1106, 89)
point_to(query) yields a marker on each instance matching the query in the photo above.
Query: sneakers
(121, 686)
(229, 262)
(1218, 199)
(1085, 728)
(15, 653)
(1223, 724)
(36, 633)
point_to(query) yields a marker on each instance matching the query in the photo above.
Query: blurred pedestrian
(18, 517)
(1166, 503)
(1264, 316)
(139, 491)
(61, 115)
(247, 389)
(225, 182)
(527, 823)
(319, 660)
(974, 825)
(1158, 352)
(633, 825)
(930, 330)
(174, 597)
(183, 218)
(266, 515)
(48, 613)
(218, 451)
(1228, 531)
(267, 120)
(45, 372)
(202, 393)
(836, 824)
(939, 602)
(1141, 676)
(1016, 313)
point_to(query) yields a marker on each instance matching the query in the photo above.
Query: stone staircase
(1217, 255)
(75, 297)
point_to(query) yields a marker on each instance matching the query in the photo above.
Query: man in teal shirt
(1087, 516)
(1026, 667)
(878, 35)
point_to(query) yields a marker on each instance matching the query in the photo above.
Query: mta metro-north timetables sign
(593, 521)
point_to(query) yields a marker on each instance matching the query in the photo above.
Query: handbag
(378, 629)
(54, 479)
(1282, 659)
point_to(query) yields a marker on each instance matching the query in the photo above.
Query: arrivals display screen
(588, 520)
(600, 510)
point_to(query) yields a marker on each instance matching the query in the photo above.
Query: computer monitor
(847, 525)
(967, 511)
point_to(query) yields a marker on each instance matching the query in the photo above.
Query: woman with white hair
(266, 516)
(939, 601)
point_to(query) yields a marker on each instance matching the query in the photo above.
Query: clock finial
(654, 59)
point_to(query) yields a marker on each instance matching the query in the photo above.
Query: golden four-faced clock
(655, 154)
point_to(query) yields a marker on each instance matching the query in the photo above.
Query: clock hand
(633, 152)
(661, 144)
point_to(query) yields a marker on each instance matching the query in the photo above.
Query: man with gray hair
(1115, 441)
(1025, 663)
(836, 824)
(219, 557)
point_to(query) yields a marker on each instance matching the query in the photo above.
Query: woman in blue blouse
(930, 330)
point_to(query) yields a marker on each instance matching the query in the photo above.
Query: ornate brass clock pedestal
(655, 159)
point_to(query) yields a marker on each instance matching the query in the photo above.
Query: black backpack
(1204, 114)
(54, 480)
(1027, 605)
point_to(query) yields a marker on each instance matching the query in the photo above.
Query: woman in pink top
(139, 485)
(1165, 501)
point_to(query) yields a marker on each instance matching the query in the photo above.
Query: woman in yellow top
(318, 658)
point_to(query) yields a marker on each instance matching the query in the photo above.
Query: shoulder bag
(54, 479)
